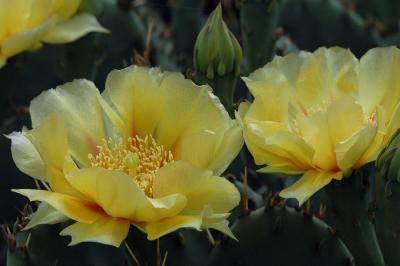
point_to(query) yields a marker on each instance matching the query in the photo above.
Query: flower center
(317, 108)
(140, 158)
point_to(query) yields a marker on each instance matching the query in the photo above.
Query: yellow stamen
(138, 157)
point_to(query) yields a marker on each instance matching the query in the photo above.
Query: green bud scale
(217, 51)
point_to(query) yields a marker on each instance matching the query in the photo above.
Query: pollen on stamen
(372, 118)
(138, 157)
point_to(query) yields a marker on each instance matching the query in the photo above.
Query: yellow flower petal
(39, 12)
(229, 147)
(119, 195)
(157, 229)
(290, 146)
(257, 134)
(379, 79)
(188, 109)
(271, 72)
(280, 169)
(135, 91)
(75, 208)
(323, 75)
(199, 187)
(349, 151)
(65, 8)
(261, 108)
(55, 156)
(198, 220)
(33, 154)
(73, 29)
(53, 130)
(218, 222)
(211, 149)
(345, 117)
(78, 104)
(12, 15)
(46, 214)
(379, 140)
(255, 141)
(106, 230)
(338, 70)
(26, 157)
(315, 131)
(308, 184)
(26, 39)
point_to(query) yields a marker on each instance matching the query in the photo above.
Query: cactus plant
(284, 236)
(259, 20)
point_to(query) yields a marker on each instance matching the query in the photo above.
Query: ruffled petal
(292, 147)
(325, 74)
(380, 139)
(106, 230)
(213, 150)
(46, 214)
(255, 142)
(230, 144)
(135, 91)
(345, 117)
(379, 79)
(268, 96)
(199, 186)
(43, 153)
(218, 222)
(26, 39)
(78, 103)
(119, 195)
(253, 133)
(188, 109)
(77, 209)
(198, 220)
(349, 151)
(73, 29)
(157, 229)
(315, 131)
(308, 184)
(26, 157)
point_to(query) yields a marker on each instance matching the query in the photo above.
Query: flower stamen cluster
(138, 157)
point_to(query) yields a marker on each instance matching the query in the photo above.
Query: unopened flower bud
(217, 51)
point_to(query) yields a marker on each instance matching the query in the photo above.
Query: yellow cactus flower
(25, 24)
(147, 152)
(321, 114)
